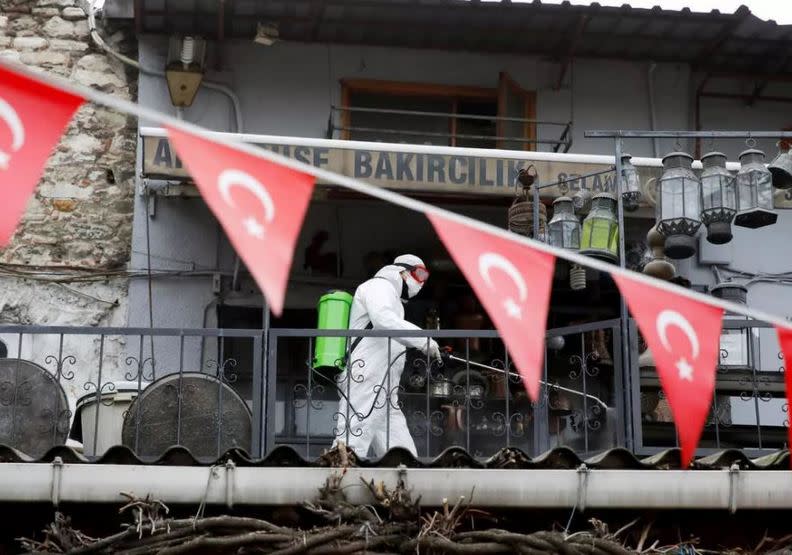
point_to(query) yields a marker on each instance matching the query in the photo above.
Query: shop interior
(346, 239)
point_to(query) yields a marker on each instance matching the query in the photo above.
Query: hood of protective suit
(406, 287)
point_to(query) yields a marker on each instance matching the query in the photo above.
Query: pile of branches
(392, 523)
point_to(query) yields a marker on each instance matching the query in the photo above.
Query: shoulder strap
(359, 339)
(370, 325)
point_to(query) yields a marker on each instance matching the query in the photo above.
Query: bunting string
(152, 116)
(261, 197)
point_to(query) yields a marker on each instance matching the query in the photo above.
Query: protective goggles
(418, 273)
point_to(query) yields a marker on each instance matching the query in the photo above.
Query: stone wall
(78, 227)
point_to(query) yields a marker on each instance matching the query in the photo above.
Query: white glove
(434, 352)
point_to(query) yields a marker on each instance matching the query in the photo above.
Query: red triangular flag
(260, 204)
(33, 117)
(684, 337)
(785, 340)
(513, 283)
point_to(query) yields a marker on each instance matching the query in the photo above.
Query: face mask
(410, 287)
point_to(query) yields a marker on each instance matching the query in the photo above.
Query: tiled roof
(560, 458)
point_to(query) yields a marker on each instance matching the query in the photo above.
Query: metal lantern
(718, 198)
(631, 185)
(564, 227)
(754, 192)
(600, 237)
(737, 345)
(781, 167)
(658, 267)
(679, 205)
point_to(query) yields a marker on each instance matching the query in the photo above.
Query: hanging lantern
(564, 226)
(781, 167)
(631, 185)
(521, 211)
(659, 267)
(718, 198)
(600, 237)
(754, 192)
(737, 345)
(679, 205)
(564, 233)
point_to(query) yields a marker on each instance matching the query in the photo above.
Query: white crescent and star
(668, 318)
(231, 178)
(14, 124)
(489, 260)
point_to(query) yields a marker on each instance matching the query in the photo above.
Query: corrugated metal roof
(737, 42)
(560, 458)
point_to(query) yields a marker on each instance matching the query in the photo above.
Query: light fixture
(781, 166)
(185, 69)
(737, 345)
(631, 185)
(564, 227)
(754, 192)
(679, 205)
(718, 198)
(600, 237)
(266, 34)
(564, 233)
(659, 267)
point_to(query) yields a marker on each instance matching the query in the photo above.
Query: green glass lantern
(600, 237)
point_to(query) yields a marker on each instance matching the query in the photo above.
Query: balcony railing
(213, 390)
(392, 134)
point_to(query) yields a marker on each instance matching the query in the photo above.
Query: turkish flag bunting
(33, 118)
(260, 204)
(785, 340)
(684, 337)
(513, 282)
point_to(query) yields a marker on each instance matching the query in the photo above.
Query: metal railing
(148, 389)
(562, 144)
(210, 390)
(749, 409)
(472, 404)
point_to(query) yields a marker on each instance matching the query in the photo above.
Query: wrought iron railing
(148, 389)
(475, 400)
(749, 409)
(212, 390)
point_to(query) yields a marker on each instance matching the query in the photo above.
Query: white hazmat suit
(379, 301)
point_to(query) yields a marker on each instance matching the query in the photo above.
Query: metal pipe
(599, 401)
(612, 134)
(488, 153)
(623, 314)
(727, 489)
(652, 108)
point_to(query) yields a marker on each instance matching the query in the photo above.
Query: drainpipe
(699, 93)
(652, 111)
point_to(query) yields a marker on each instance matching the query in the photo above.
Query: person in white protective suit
(370, 415)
